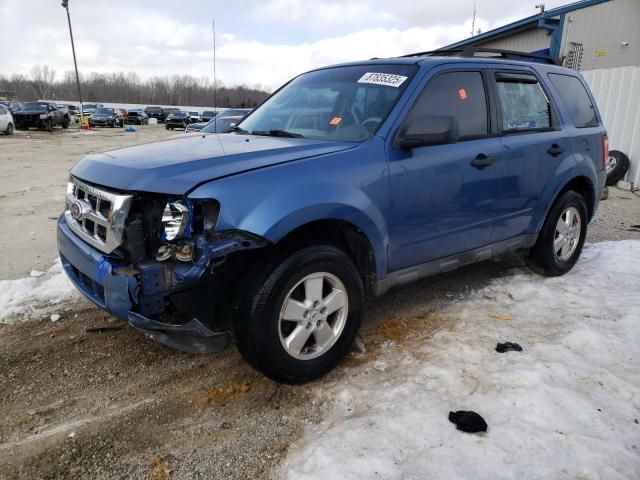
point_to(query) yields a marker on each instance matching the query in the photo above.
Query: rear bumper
(119, 292)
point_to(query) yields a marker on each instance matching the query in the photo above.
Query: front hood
(177, 165)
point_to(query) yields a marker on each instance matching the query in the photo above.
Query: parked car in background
(90, 108)
(208, 115)
(41, 115)
(107, 117)
(348, 181)
(137, 117)
(11, 105)
(234, 112)
(195, 117)
(179, 119)
(220, 123)
(6, 120)
(156, 112)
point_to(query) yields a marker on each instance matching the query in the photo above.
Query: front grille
(96, 215)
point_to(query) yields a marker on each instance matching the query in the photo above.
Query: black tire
(257, 321)
(542, 258)
(9, 130)
(618, 166)
(65, 123)
(167, 127)
(50, 126)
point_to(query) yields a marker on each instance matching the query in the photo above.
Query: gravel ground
(115, 405)
(617, 218)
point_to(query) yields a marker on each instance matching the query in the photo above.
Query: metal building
(601, 39)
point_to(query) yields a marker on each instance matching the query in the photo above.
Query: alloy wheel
(313, 316)
(567, 234)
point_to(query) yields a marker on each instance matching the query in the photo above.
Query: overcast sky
(259, 42)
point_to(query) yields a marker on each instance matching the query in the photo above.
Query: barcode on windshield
(387, 79)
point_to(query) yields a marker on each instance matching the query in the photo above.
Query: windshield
(341, 103)
(153, 109)
(105, 111)
(35, 106)
(178, 114)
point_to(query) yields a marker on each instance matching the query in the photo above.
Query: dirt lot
(115, 405)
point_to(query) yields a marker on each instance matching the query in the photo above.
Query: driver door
(444, 197)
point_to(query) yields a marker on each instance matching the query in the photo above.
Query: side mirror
(426, 130)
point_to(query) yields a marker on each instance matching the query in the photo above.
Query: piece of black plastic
(469, 422)
(508, 347)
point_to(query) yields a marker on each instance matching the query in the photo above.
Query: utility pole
(473, 21)
(215, 81)
(65, 5)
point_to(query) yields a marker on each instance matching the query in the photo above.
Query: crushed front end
(152, 260)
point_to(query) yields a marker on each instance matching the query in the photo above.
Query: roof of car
(434, 59)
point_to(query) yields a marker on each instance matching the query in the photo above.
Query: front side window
(523, 103)
(576, 100)
(342, 103)
(460, 95)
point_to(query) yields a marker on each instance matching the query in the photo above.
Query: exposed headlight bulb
(175, 219)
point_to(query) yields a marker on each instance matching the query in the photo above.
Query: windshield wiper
(276, 133)
(237, 129)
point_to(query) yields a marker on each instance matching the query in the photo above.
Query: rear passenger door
(443, 197)
(535, 146)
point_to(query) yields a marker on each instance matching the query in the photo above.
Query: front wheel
(9, 130)
(301, 316)
(562, 236)
(65, 123)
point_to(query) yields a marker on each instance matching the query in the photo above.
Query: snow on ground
(566, 407)
(39, 294)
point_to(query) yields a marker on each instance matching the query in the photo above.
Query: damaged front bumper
(140, 294)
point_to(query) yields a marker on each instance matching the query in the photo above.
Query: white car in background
(6, 121)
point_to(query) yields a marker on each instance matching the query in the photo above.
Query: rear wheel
(65, 123)
(9, 130)
(560, 242)
(298, 320)
(50, 125)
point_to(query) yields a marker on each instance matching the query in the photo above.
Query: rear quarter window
(576, 100)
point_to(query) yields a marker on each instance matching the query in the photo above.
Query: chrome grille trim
(103, 215)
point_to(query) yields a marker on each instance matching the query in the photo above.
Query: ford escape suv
(346, 182)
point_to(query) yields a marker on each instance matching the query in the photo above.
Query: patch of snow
(36, 273)
(36, 295)
(566, 407)
(55, 317)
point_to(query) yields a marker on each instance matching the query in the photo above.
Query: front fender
(273, 202)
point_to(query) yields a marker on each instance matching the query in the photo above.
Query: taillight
(605, 151)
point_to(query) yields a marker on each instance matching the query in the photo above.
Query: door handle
(482, 161)
(555, 150)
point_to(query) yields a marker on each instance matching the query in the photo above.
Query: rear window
(576, 100)
(523, 104)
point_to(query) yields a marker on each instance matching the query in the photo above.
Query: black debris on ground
(508, 347)
(469, 422)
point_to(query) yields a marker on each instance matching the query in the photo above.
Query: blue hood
(177, 165)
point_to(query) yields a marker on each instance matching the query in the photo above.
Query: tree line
(43, 83)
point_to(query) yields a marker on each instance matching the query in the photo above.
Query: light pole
(65, 5)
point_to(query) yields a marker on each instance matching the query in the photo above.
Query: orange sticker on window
(335, 121)
(462, 93)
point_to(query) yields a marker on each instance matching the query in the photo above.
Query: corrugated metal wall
(530, 40)
(617, 92)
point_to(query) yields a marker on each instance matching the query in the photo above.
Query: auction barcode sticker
(388, 79)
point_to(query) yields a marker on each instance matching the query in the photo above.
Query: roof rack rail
(472, 51)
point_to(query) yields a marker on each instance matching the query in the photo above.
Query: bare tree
(42, 78)
(120, 87)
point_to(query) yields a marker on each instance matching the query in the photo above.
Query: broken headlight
(176, 219)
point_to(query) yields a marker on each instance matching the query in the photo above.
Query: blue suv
(346, 182)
